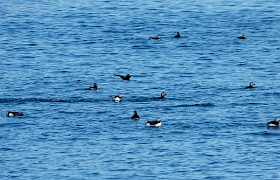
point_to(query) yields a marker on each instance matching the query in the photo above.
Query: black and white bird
(135, 116)
(242, 37)
(14, 113)
(156, 123)
(118, 98)
(93, 87)
(273, 123)
(158, 37)
(127, 77)
(251, 85)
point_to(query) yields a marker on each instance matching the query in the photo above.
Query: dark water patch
(13, 124)
(271, 132)
(247, 103)
(32, 44)
(147, 99)
(276, 129)
(6, 149)
(75, 139)
(272, 94)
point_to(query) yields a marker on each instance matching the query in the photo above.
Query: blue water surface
(212, 127)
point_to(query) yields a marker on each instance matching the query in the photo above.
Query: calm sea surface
(212, 127)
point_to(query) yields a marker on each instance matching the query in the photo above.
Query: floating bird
(242, 37)
(162, 95)
(251, 85)
(158, 37)
(274, 123)
(118, 98)
(135, 115)
(93, 87)
(127, 77)
(177, 35)
(156, 123)
(14, 113)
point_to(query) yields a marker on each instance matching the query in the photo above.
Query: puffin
(135, 116)
(155, 123)
(93, 87)
(273, 123)
(14, 113)
(251, 85)
(118, 98)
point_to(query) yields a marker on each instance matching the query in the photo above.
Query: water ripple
(212, 128)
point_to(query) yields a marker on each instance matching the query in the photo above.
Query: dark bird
(14, 113)
(162, 95)
(274, 123)
(156, 123)
(158, 37)
(242, 37)
(177, 35)
(251, 85)
(135, 115)
(127, 77)
(93, 87)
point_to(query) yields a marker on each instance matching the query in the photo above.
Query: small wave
(196, 104)
(270, 131)
(147, 99)
(14, 125)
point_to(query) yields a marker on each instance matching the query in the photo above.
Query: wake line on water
(196, 104)
(23, 100)
(75, 100)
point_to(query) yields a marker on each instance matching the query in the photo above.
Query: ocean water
(212, 127)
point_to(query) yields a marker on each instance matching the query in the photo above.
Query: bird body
(93, 87)
(177, 35)
(127, 77)
(251, 85)
(14, 113)
(242, 37)
(118, 98)
(158, 37)
(156, 123)
(274, 123)
(135, 116)
(162, 95)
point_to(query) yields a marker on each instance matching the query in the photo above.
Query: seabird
(274, 123)
(118, 98)
(251, 85)
(158, 37)
(162, 95)
(177, 35)
(156, 123)
(242, 37)
(93, 87)
(14, 113)
(135, 115)
(127, 77)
